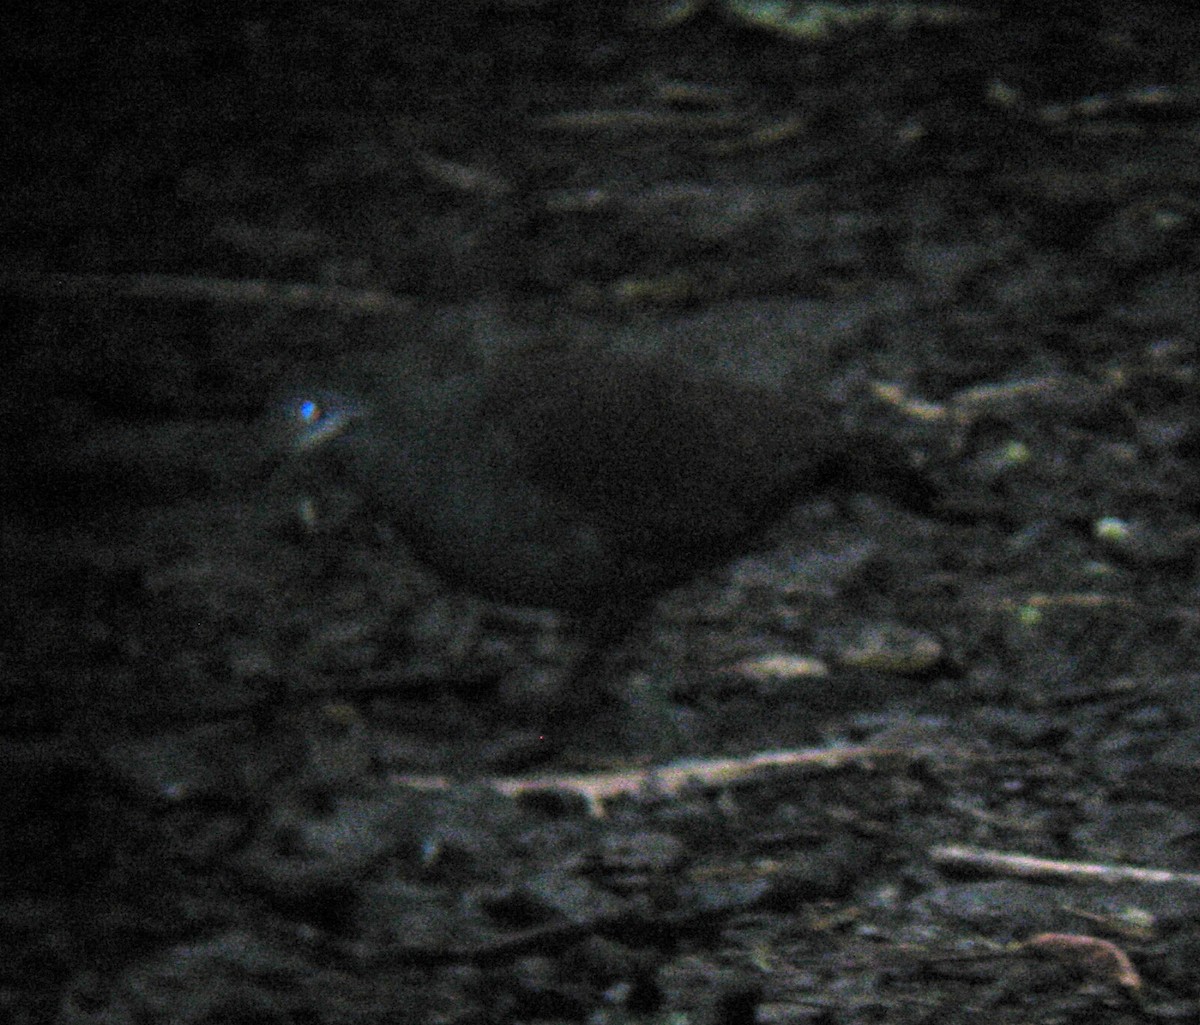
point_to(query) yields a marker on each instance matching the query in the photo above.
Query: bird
(575, 478)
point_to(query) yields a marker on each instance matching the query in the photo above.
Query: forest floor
(892, 763)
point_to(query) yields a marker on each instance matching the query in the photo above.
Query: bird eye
(318, 418)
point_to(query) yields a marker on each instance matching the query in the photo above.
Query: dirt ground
(923, 749)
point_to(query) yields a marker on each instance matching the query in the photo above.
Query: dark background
(975, 237)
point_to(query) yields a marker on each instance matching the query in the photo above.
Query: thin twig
(668, 780)
(1024, 866)
(220, 291)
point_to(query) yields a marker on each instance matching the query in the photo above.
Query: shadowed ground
(904, 561)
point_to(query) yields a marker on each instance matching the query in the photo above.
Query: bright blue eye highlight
(314, 421)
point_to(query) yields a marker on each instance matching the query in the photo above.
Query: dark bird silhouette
(589, 481)
(579, 479)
